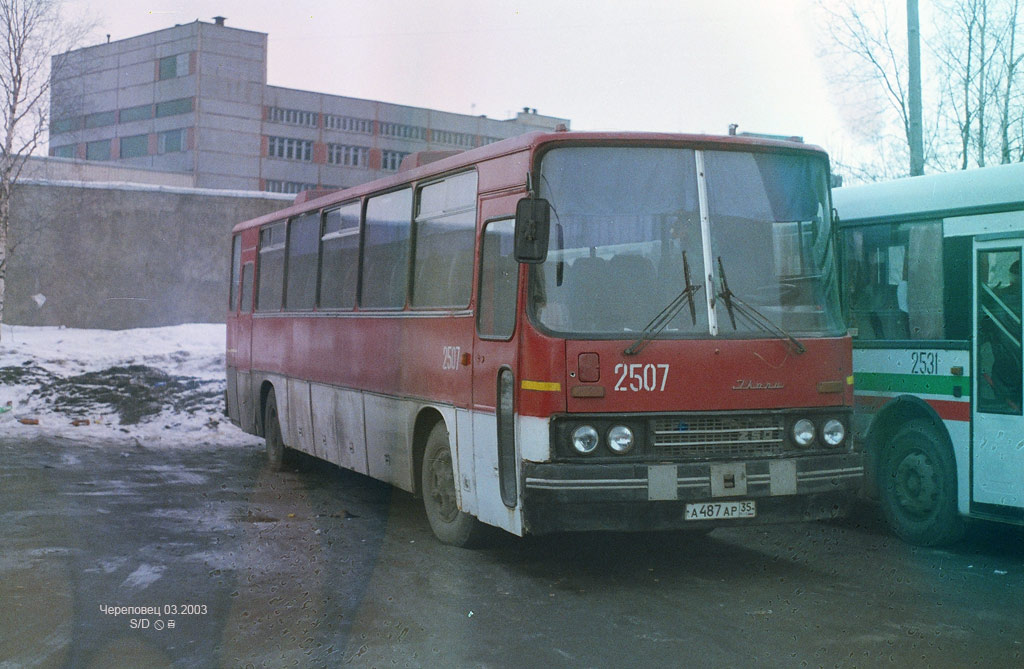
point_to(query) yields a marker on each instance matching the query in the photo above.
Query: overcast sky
(669, 65)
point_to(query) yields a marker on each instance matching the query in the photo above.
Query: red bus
(560, 331)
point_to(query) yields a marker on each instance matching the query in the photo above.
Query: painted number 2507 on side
(638, 377)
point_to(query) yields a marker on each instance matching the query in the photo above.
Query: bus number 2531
(637, 377)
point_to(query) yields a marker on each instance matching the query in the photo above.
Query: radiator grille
(718, 436)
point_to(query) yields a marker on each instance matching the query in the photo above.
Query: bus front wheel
(450, 525)
(918, 486)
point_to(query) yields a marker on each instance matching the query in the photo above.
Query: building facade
(194, 99)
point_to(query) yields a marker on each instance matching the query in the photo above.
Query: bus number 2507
(637, 377)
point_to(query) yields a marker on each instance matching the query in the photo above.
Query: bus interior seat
(627, 303)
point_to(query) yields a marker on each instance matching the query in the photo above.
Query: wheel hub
(442, 490)
(916, 484)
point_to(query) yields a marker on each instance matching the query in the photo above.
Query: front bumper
(640, 496)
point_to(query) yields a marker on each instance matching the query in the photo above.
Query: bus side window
(271, 257)
(445, 234)
(236, 266)
(246, 306)
(895, 285)
(303, 238)
(499, 273)
(386, 250)
(339, 264)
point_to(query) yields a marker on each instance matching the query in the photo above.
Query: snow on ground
(160, 387)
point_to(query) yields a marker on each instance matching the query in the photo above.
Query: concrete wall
(122, 256)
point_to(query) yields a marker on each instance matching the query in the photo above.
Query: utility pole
(915, 134)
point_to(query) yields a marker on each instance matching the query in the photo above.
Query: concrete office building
(194, 99)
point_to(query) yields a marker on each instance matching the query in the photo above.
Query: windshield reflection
(623, 218)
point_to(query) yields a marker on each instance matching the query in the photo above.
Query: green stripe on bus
(912, 383)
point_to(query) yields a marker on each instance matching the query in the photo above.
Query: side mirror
(533, 226)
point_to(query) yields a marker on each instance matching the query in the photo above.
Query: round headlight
(803, 433)
(585, 439)
(833, 433)
(620, 439)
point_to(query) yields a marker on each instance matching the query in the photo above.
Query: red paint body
(436, 359)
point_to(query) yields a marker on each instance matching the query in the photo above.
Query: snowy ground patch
(157, 386)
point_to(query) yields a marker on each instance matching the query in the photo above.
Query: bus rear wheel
(278, 455)
(918, 486)
(450, 525)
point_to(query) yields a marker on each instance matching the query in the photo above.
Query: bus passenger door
(495, 458)
(997, 449)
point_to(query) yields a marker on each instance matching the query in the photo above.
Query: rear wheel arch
(265, 389)
(426, 419)
(887, 423)
(913, 467)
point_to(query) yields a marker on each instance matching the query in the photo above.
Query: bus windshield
(626, 227)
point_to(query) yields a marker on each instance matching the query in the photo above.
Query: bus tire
(451, 525)
(278, 455)
(918, 488)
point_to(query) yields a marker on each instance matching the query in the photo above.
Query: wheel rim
(916, 484)
(442, 486)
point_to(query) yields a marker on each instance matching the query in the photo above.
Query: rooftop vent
(219, 20)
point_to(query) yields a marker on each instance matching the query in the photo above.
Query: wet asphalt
(114, 554)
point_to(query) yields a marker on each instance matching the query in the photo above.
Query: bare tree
(866, 47)
(973, 105)
(30, 32)
(1011, 107)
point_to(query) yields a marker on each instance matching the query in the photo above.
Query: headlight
(833, 433)
(585, 439)
(620, 439)
(803, 433)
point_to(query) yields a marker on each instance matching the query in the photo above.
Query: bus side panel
(960, 435)
(246, 407)
(464, 445)
(490, 508)
(389, 424)
(338, 426)
(300, 420)
(233, 410)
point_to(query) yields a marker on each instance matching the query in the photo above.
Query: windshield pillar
(705, 241)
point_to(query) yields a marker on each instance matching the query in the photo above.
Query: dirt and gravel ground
(321, 567)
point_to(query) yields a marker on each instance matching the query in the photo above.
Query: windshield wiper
(665, 316)
(750, 314)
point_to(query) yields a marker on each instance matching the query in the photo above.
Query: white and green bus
(931, 272)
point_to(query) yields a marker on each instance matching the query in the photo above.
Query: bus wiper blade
(751, 314)
(665, 316)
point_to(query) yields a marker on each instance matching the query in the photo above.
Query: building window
(134, 146)
(172, 67)
(349, 156)
(403, 131)
(390, 160)
(171, 141)
(99, 150)
(172, 107)
(99, 119)
(65, 125)
(292, 116)
(290, 148)
(288, 187)
(66, 151)
(348, 124)
(140, 113)
(453, 138)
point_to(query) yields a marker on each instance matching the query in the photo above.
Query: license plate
(721, 510)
